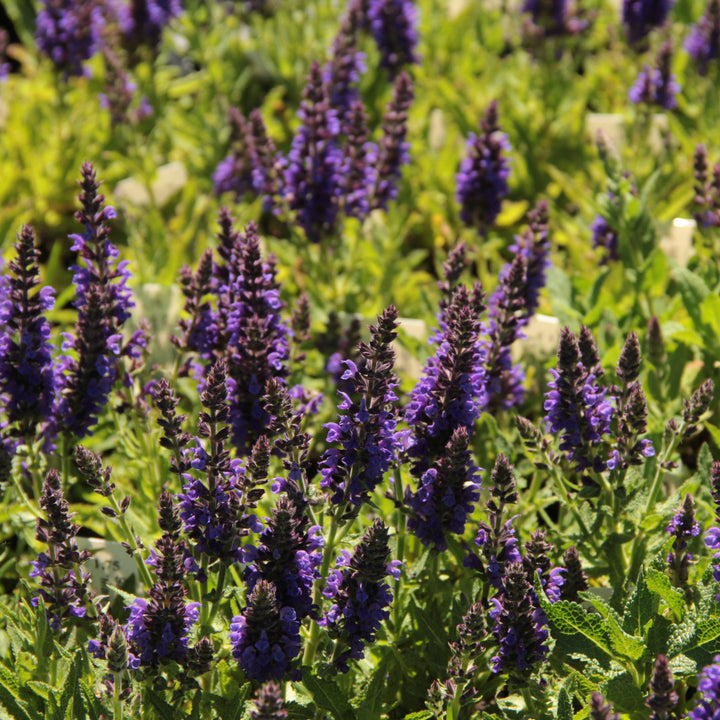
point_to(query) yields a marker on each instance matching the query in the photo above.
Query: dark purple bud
(628, 367)
(641, 16)
(657, 85)
(697, 406)
(575, 578)
(142, 21)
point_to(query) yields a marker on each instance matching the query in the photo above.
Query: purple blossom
(265, 637)
(360, 595)
(312, 183)
(393, 26)
(482, 180)
(288, 556)
(641, 16)
(520, 626)
(366, 428)
(103, 302)
(158, 627)
(252, 334)
(250, 166)
(663, 698)
(394, 150)
(707, 189)
(657, 86)
(703, 42)
(707, 706)
(446, 495)
(578, 410)
(213, 506)
(69, 32)
(63, 584)
(551, 18)
(27, 381)
(451, 392)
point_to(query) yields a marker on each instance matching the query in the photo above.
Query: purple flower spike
(255, 338)
(703, 42)
(366, 428)
(451, 392)
(577, 407)
(663, 698)
(266, 637)
(447, 494)
(103, 301)
(520, 628)
(394, 150)
(312, 184)
(641, 16)
(27, 381)
(657, 86)
(69, 32)
(158, 627)
(288, 556)
(482, 181)
(63, 584)
(269, 703)
(360, 595)
(358, 163)
(393, 25)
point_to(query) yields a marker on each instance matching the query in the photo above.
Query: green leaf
(659, 583)
(69, 688)
(682, 636)
(622, 643)
(327, 695)
(570, 619)
(564, 706)
(368, 709)
(640, 607)
(165, 711)
(624, 694)
(693, 290)
(428, 627)
(231, 708)
(296, 711)
(10, 702)
(419, 715)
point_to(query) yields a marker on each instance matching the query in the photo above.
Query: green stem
(314, 639)
(218, 594)
(117, 703)
(132, 542)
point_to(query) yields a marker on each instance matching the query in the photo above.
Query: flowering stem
(132, 542)
(218, 595)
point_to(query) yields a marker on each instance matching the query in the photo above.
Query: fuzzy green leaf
(682, 636)
(640, 607)
(327, 695)
(165, 711)
(564, 706)
(622, 643)
(419, 715)
(659, 583)
(296, 711)
(14, 706)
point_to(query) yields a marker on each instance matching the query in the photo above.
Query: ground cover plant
(346, 371)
